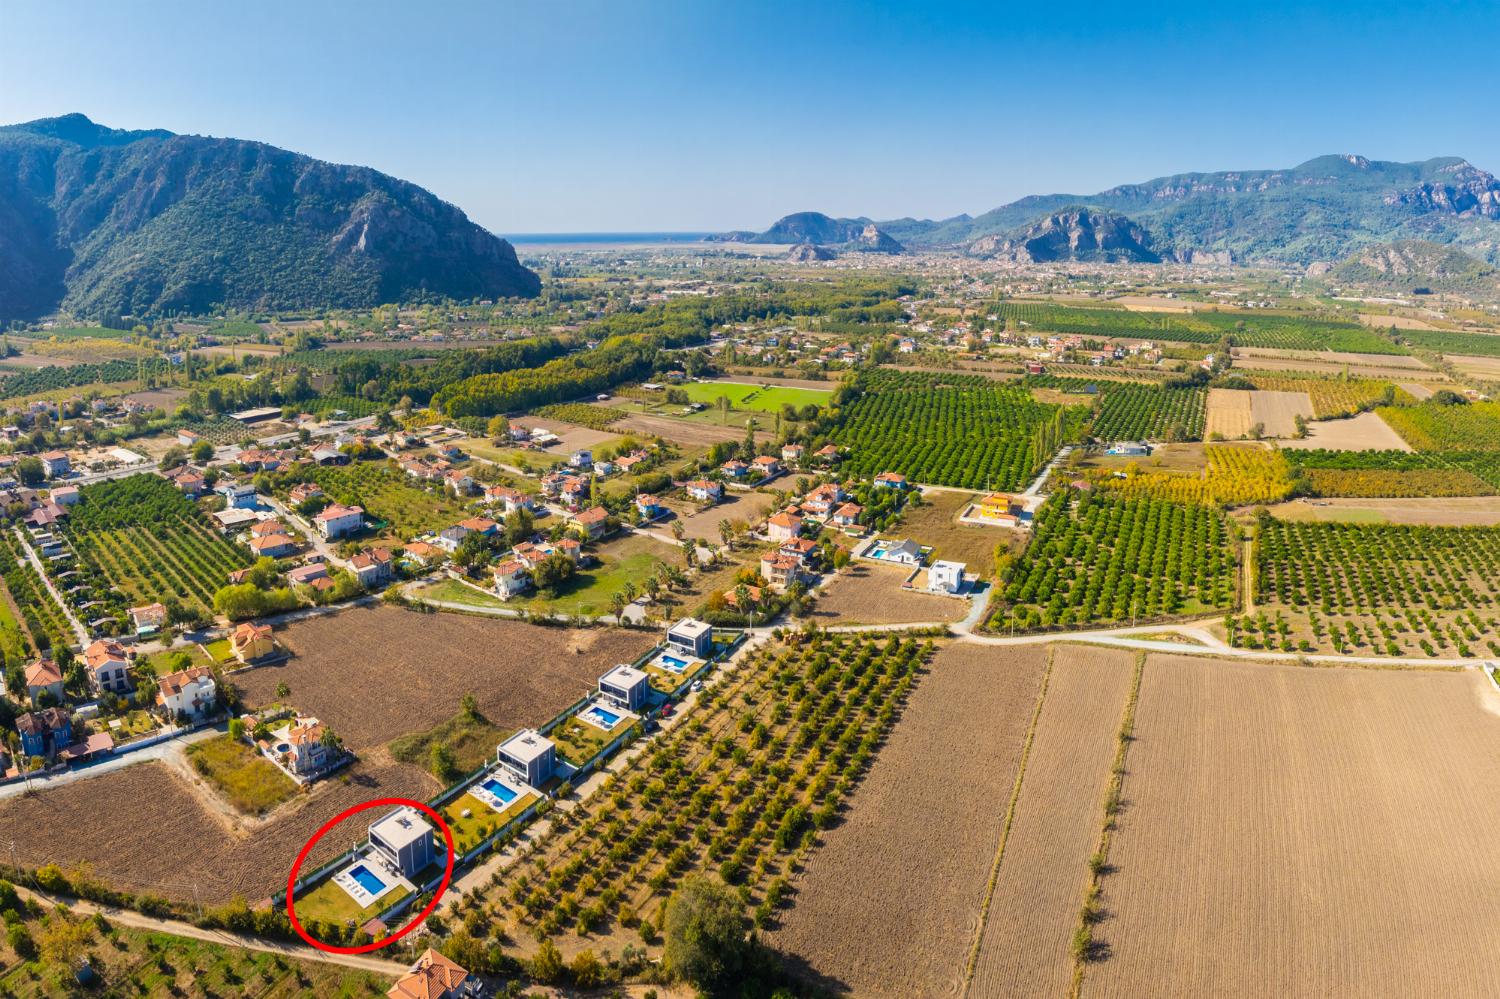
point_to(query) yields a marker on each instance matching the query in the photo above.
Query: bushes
(1234, 474)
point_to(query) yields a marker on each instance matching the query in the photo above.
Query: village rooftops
(43, 673)
(432, 976)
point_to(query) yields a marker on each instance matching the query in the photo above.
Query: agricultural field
(863, 593)
(45, 622)
(735, 507)
(1477, 367)
(520, 675)
(134, 962)
(1276, 413)
(1140, 410)
(761, 398)
(976, 703)
(583, 414)
(138, 541)
(1228, 414)
(1432, 426)
(1333, 397)
(386, 494)
(1445, 342)
(1233, 474)
(1023, 946)
(1395, 589)
(1365, 432)
(1095, 558)
(1432, 511)
(1250, 329)
(951, 430)
(1244, 856)
(625, 562)
(807, 720)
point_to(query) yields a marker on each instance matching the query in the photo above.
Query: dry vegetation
(1228, 413)
(1277, 412)
(935, 523)
(1365, 432)
(871, 594)
(891, 899)
(1024, 947)
(1293, 831)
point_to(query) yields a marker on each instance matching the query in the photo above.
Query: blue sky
(542, 117)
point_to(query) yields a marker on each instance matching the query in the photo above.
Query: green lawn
(667, 682)
(250, 782)
(482, 821)
(764, 398)
(220, 651)
(453, 592)
(328, 903)
(578, 741)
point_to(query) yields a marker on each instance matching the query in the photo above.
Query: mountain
(102, 221)
(821, 230)
(1406, 265)
(1075, 234)
(1320, 211)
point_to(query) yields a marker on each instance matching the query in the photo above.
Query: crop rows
(741, 789)
(951, 430)
(1137, 410)
(44, 618)
(581, 414)
(1233, 475)
(1249, 329)
(1094, 558)
(1431, 426)
(1482, 465)
(384, 493)
(1336, 397)
(1343, 568)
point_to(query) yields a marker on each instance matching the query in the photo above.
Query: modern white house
(403, 839)
(529, 755)
(946, 577)
(694, 637)
(626, 686)
(1132, 449)
(237, 495)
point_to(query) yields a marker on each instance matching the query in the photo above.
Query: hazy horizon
(625, 118)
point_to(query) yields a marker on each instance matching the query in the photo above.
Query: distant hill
(1406, 265)
(1076, 234)
(804, 253)
(101, 221)
(821, 230)
(1320, 211)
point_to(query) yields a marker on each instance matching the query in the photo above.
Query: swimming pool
(672, 663)
(599, 716)
(499, 790)
(367, 879)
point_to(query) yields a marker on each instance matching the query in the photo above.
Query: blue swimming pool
(499, 790)
(366, 879)
(673, 663)
(599, 716)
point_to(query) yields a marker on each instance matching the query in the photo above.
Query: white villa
(946, 577)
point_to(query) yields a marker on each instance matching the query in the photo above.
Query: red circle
(291, 880)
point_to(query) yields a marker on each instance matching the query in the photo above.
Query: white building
(694, 637)
(335, 521)
(946, 577)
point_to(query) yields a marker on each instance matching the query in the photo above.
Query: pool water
(499, 790)
(608, 719)
(674, 664)
(367, 880)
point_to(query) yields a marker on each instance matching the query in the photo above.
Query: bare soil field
(1381, 321)
(682, 431)
(411, 669)
(1416, 390)
(935, 523)
(1444, 511)
(890, 902)
(145, 830)
(1365, 432)
(1478, 367)
(1405, 361)
(864, 593)
(750, 507)
(1277, 412)
(1024, 946)
(1316, 364)
(1228, 413)
(1152, 303)
(1304, 832)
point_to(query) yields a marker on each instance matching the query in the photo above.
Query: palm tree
(726, 533)
(617, 604)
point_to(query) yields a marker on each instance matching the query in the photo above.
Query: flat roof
(401, 828)
(526, 745)
(691, 627)
(625, 676)
(254, 415)
(944, 564)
